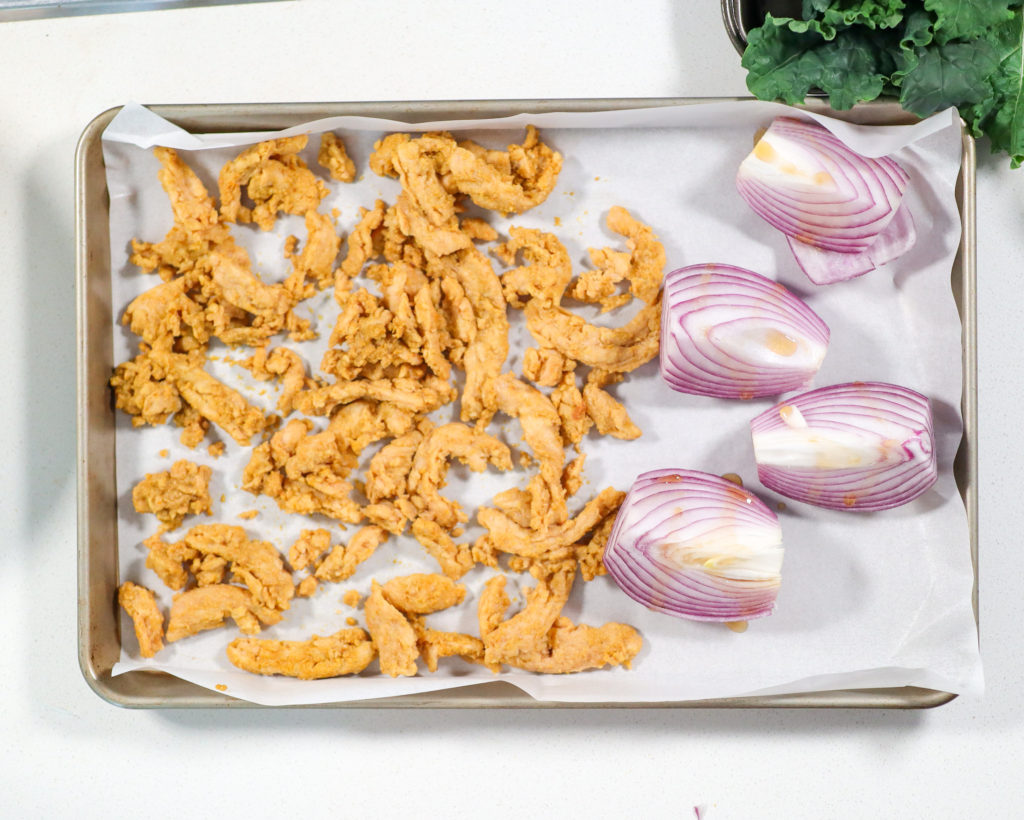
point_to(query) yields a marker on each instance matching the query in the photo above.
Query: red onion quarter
(840, 211)
(696, 546)
(858, 446)
(732, 333)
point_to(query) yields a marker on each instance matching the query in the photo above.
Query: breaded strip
(541, 431)
(307, 587)
(434, 645)
(600, 285)
(515, 503)
(208, 569)
(454, 559)
(572, 410)
(544, 277)
(346, 652)
(343, 561)
(392, 634)
(212, 399)
(193, 207)
(544, 366)
(241, 288)
(360, 247)
(140, 604)
(608, 414)
(275, 178)
(383, 156)
(431, 326)
(485, 355)
(430, 467)
(438, 239)
(141, 391)
(532, 175)
(418, 396)
(418, 164)
(525, 634)
(208, 607)
(392, 516)
(237, 173)
(508, 536)
(164, 314)
(538, 639)
(491, 607)
(642, 266)
(616, 349)
(305, 473)
(280, 363)
(590, 553)
(308, 548)
(388, 473)
(572, 475)
(169, 560)
(335, 158)
(460, 321)
(478, 229)
(575, 648)
(367, 335)
(315, 261)
(546, 272)
(421, 594)
(587, 554)
(647, 254)
(397, 240)
(257, 564)
(172, 494)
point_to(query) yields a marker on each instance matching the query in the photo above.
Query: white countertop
(65, 750)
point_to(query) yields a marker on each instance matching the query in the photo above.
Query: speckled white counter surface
(64, 751)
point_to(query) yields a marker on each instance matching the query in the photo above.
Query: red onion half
(696, 546)
(857, 446)
(732, 333)
(840, 211)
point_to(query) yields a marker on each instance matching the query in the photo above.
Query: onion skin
(826, 267)
(862, 446)
(837, 208)
(731, 333)
(696, 546)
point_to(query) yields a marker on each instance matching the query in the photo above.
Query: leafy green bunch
(932, 54)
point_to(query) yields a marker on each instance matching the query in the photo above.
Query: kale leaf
(871, 13)
(932, 54)
(785, 63)
(966, 19)
(1000, 115)
(779, 62)
(951, 74)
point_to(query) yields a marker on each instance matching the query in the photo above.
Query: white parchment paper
(868, 600)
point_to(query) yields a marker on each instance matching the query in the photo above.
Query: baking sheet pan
(98, 623)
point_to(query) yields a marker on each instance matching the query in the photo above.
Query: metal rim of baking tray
(98, 622)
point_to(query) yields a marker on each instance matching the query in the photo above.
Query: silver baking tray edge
(99, 643)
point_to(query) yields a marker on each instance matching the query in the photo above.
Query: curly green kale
(932, 54)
